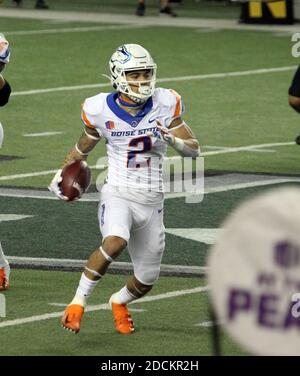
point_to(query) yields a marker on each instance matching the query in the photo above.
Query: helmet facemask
(145, 88)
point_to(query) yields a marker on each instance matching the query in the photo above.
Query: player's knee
(114, 245)
(294, 102)
(147, 277)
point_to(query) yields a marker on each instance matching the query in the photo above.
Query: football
(76, 179)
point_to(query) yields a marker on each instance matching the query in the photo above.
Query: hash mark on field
(47, 316)
(13, 217)
(207, 324)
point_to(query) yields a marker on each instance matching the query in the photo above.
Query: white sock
(84, 290)
(3, 261)
(123, 296)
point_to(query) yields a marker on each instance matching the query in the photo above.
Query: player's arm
(5, 88)
(184, 142)
(294, 91)
(2, 80)
(180, 136)
(86, 143)
(294, 102)
(5, 91)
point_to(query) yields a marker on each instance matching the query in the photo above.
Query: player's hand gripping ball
(76, 179)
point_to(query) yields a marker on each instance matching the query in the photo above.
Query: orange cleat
(72, 317)
(4, 284)
(123, 320)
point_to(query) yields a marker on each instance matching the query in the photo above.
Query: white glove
(163, 134)
(4, 50)
(54, 186)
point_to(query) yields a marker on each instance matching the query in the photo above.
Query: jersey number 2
(142, 145)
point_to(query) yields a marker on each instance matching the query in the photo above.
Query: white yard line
(259, 183)
(47, 316)
(64, 305)
(205, 154)
(27, 175)
(40, 173)
(232, 187)
(166, 79)
(74, 29)
(42, 134)
(59, 304)
(237, 149)
(57, 89)
(261, 151)
(227, 147)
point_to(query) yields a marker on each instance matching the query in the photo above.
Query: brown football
(76, 179)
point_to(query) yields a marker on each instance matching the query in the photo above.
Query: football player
(5, 91)
(138, 122)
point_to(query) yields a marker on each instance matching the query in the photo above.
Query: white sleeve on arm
(89, 122)
(176, 106)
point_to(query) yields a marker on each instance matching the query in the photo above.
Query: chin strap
(130, 105)
(138, 101)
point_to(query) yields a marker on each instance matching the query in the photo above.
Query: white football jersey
(134, 158)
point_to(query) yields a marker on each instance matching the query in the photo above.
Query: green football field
(234, 85)
(161, 320)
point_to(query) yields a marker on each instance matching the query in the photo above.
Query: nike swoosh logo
(151, 120)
